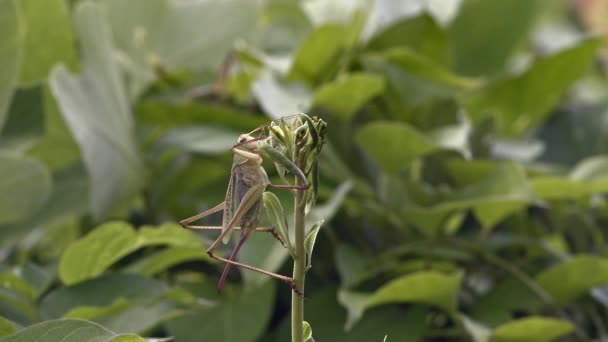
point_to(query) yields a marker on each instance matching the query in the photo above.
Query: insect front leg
(290, 187)
(186, 222)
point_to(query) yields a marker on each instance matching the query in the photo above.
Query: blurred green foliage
(461, 186)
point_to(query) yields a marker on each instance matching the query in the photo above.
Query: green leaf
(328, 317)
(68, 330)
(101, 292)
(240, 317)
(348, 94)
(108, 243)
(57, 149)
(25, 123)
(13, 31)
(582, 272)
(349, 263)
(393, 145)
(25, 186)
(420, 33)
(123, 316)
(96, 107)
(309, 242)
(521, 102)
(507, 296)
(428, 287)
(90, 312)
(486, 49)
(533, 328)
(14, 283)
(591, 169)
(200, 139)
(307, 332)
(167, 35)
(163, 260)
(499, 190)
(412, 80)
(6, 327)
(317, 58)
(278, 219)
(553, 187)
(44, 48)
(279, 98)
(171, 115)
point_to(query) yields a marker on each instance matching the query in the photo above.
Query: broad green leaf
(317, 58)
(101, 292)
(6, 327)
(572, 278)
(345, 96)
(412, 80)
(199, 139)
(420, 33)
(108, 243)
(240, 317)
(164, 34)
(127, 317)
(25, 123)
(486, 49)
(327, 318)
(428, 287)
(393, 145)
(278, 98)
(67, 199)
(68, 330)
(14, 283)
(533, 328)
(57, 148)
(25, 186)
(163, 260)
(96, 108)
(500, 190)
(507, 296)
(91, 312)
(171, 234)
(11, 45)
(591, 169)
(521, 102)
(277, 218)
(309, 242)
(349, 264)
(45, 47)
(172, 115)
(554, 188)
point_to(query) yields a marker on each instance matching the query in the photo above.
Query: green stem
(299, 267)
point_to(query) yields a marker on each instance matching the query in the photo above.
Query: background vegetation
(462, 183)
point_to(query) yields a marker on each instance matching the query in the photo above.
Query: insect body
(242, 205)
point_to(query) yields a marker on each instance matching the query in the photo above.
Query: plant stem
(299, 265)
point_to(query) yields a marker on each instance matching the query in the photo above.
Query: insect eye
(242, 140)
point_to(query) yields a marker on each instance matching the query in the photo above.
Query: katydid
(242, 205)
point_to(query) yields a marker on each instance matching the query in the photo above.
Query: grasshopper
(243, 204)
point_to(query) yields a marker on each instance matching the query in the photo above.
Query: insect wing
(232, 201)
